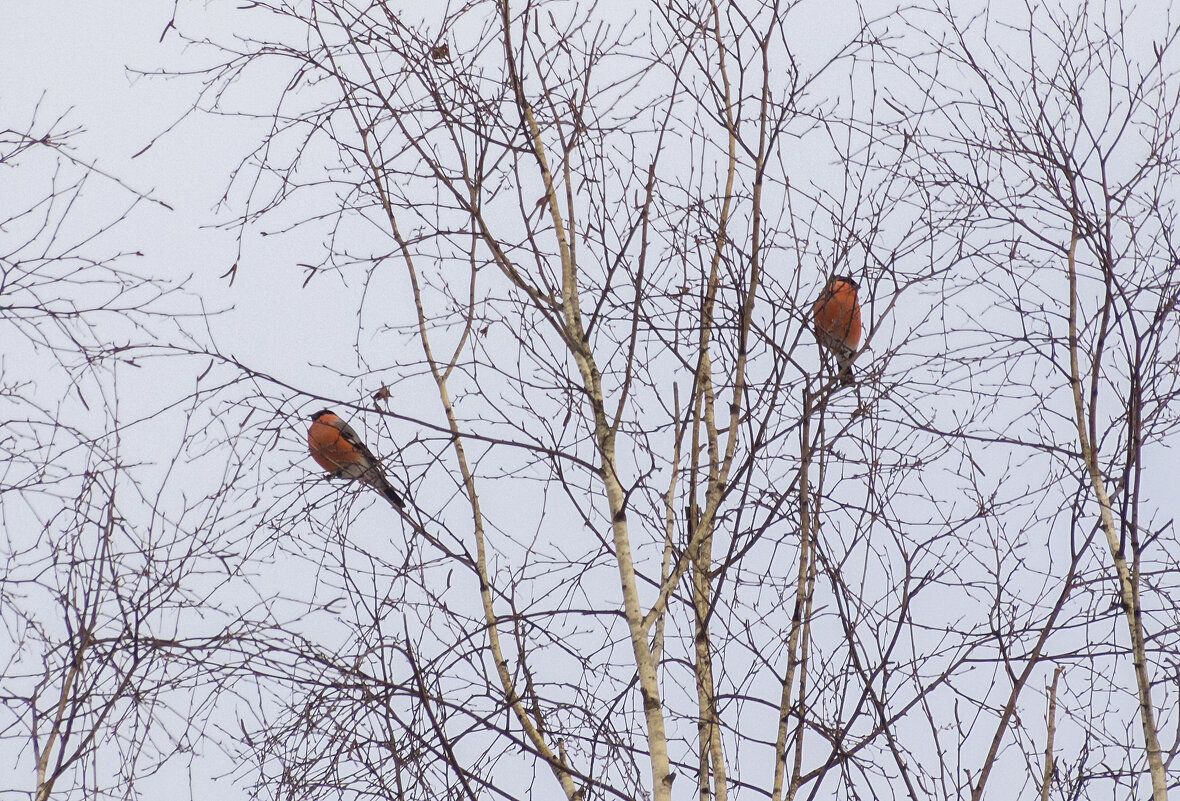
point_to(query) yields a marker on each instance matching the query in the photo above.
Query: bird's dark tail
(846, 377)
(844, 368)
(389, 492)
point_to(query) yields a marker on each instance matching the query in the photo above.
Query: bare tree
(655, 547)
(1053, 133)
(107, 566)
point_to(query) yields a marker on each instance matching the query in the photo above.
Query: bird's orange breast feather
(837, 315)
(329, 449)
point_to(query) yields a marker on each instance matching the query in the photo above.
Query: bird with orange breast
(338, 449)
(836, 315)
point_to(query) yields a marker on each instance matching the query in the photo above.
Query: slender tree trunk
(1085, 420)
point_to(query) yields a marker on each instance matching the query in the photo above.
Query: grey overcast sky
(79, 61)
